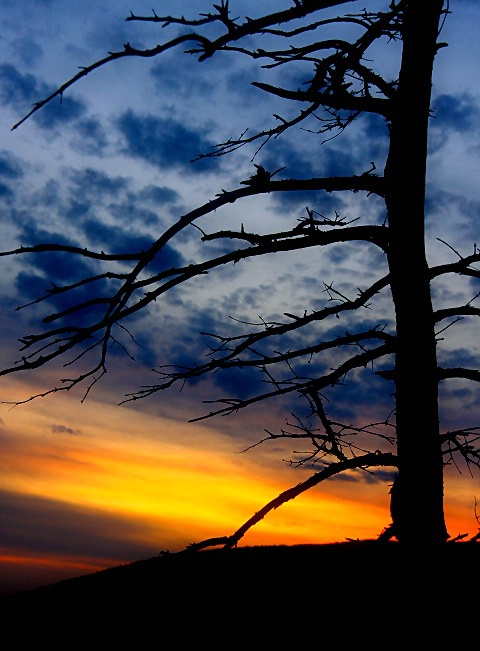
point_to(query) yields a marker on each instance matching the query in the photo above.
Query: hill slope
(218, 569)
(253, 597)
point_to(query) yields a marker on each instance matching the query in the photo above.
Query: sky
(90, 483)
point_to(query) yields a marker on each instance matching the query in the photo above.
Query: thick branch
(343, 101)
(462, 310)
(370, 460)
(459, 372)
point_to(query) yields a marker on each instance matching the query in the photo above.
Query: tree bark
(421, 514)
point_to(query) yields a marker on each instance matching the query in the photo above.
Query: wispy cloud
(165, 142)
(64, 429)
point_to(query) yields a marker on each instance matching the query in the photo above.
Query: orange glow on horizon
(172, 484)
(50, 562)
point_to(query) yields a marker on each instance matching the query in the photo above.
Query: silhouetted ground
(218, 568)
(195, 595)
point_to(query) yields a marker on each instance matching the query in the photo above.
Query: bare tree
(343, 85)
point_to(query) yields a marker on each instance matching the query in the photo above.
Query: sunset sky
(89, 484)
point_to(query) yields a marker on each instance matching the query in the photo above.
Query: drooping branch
(366, 461)
(208, 47)
(285, 387)
(347, 55)
(128, 51)
(370, 460)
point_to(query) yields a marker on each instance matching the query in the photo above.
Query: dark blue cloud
(115, 240)
(343, 157)
(30, 286)
(32, 233)
(94, 185)
(364, 395)
(21, 91)
(10, 171)
(375, 141)
(459, 357)
(77, 210)
(90, 137)
(143, 348)
(339, 255)
(240, 382)
(42, 270)
(459, 113)
(57, 268)
(5, 192)
(363, 392)
(165, 142)
(114, 33)
(29, 52)
(60, 269)
(328, 161)
(303, 167)
(284, 154)
(238, 86)
(10, 167)
(323, 202)
(185, 346)
(347, 399)
(160, 194)
(189, 350)
(334, 161)
(184, 77)
(130, 210)
(17, 90)
(37, 524)
(90, 188)
(446, 204)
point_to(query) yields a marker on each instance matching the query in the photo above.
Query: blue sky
(110, 167)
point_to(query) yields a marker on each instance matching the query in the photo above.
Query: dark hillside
(196, 576)
(288, 597)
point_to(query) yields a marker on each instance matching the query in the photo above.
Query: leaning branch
(208, 47)
(370, 460)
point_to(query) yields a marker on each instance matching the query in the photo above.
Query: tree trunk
(421, 515)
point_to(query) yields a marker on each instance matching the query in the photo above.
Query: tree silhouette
(334, 84)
